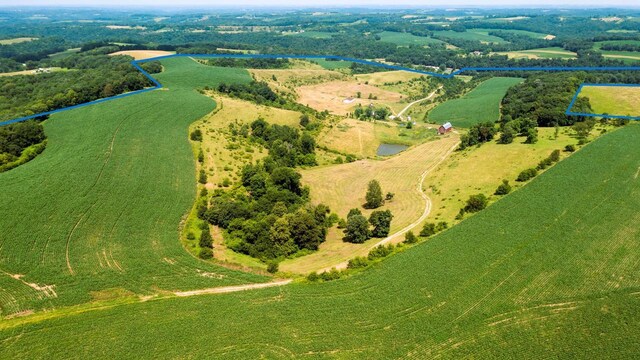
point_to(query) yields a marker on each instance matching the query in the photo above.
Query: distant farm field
(16, 40)
(383, 77)
(613, 100)
(471, 35)
(531, 34)
(331, 64)
(143, 54)
(565, 272)
(479, 105)
(406, 39)
(112, 186)
(542, 53)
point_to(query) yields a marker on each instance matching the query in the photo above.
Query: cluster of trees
(269, 216)
(16, 138)
(509, 129)
(371, 113)
(358, 229)
(250, 63)
(287, 147)
(256, 91)
(478, 134)
(474, 204)
(544, 99)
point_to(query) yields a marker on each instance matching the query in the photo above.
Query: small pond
(390, 149)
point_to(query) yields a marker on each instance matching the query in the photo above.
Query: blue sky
(328, 3)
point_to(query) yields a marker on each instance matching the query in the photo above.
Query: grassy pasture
(332, 65)
(542, 53)
(142, 54)
(613, 100)
(479, 105)
(97, 215)
(380, 78)
(489, 164)
(16, 40)
(63, 54)
(343, 187)
(331, 95)
(479, 35)
(406, 39)
(526, 278)
(531, 34)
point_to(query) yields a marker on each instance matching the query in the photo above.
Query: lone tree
(504, 188)
(357, 230)
(476, 203)
(374, 195)
(381, 221)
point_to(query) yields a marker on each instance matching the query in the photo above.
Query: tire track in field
(104, 164)
(230, 289)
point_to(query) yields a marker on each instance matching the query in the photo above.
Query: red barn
(445, 128)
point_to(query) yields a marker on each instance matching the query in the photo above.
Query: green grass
(109, 192)
(480, 35)
(613, 100)
(530, 34)
(546, 53)
(526, 278)
(332, 65)
(406, 39)
(479, 105)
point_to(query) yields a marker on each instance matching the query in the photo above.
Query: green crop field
(406, 39)
(478, 35)
(479, 105)
(332, 65)
(97, 215)
(526, 278)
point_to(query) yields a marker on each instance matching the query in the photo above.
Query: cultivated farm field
(563, 272)
(406, 39)
(97, 215)
(479, 105)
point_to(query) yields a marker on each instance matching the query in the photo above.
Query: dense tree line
(544, 98)
(255, 63)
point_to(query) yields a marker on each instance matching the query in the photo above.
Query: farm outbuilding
(445, 128)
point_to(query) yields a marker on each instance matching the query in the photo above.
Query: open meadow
(542, 53)
(613, 100)
(97, 215)
(479, 105)
(406, 39)
(528, 277)
(343, 187)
